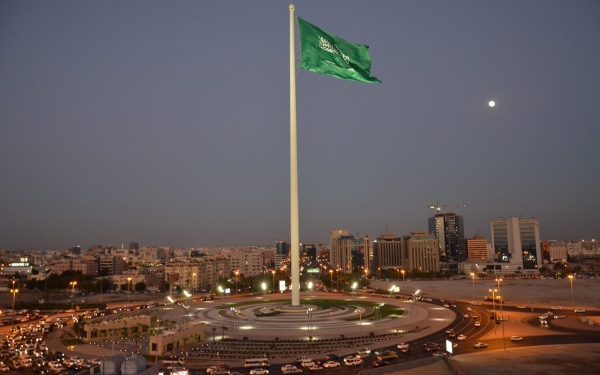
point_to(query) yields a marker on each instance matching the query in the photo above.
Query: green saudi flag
(325, 53)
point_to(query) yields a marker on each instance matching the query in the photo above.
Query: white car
(477, 323)
(330, 364)
(259, 371)
(466, 315)
(559, 316)
(468, 309)
(354, 362)
(580, 311)
(461, 337)
(315, 368)
(480, 345)
(516, 338)
(446, 305)
(556, 307)
(403, 345)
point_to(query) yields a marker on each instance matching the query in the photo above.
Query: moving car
(332, 357)
(354, 362)
(461, 337)
(516, 338)
(380, 363)
(387, 354)
(314, 368)
(259, 371)
(559, 316)
(289, 369)
(330, 364)
(579, 310)
(480, 345)
(402, 345)
(556, 307)
(521, 307)
(477, 323)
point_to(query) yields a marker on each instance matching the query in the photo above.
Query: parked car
(314, 368)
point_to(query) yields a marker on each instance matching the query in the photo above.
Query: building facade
(517, 242)
(448, 228)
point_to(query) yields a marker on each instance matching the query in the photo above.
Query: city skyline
(168, 124)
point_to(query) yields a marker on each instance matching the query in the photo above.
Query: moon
(492, 103)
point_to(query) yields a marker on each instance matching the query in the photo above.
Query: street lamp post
(473, 278)
(194, 283)
(128, 290)
(398, 274)
(499, 280)
(331, 279)
(264, 288)
(237, 273)
(403, 279)
(309, 317)
(337, 278)
(73, 283)
(367, 278)
(273, 287)
(494, 301)
(14, 293)
(572, 297)
(360, 323)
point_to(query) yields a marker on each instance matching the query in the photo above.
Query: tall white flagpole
(294, 217)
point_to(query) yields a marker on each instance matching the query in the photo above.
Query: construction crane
(439, 207)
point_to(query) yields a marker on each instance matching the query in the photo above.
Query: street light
(367, 278)
(309, 317)
(237, 273)
(194, 283)
(403, 279)
(473, 278)
(128, 289)
(14, 292)
(572, 297)
(73, 283)
(494, 301)
(264, 288)
(498, 280)
(273, 287)
(398, 274)
(360, 322)
(331, 278)
(337, 278)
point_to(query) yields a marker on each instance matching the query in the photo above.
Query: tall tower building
(517, 241)
(448, 228)
(281, 253)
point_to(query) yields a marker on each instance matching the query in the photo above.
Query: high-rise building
(389, 253)
(448, 228)
(422, 250)
(348, 253)
(281, 254)
(517, 241)
(477, 248)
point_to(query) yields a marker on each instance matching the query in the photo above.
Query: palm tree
(184, 340)
(214, 329)
(223, 334)
(195, 337)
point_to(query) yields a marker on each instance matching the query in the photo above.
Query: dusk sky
(167, 122)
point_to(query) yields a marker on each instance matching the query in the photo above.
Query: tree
(214, 329)
(223, 333)
(185, 340)
(139, 286)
